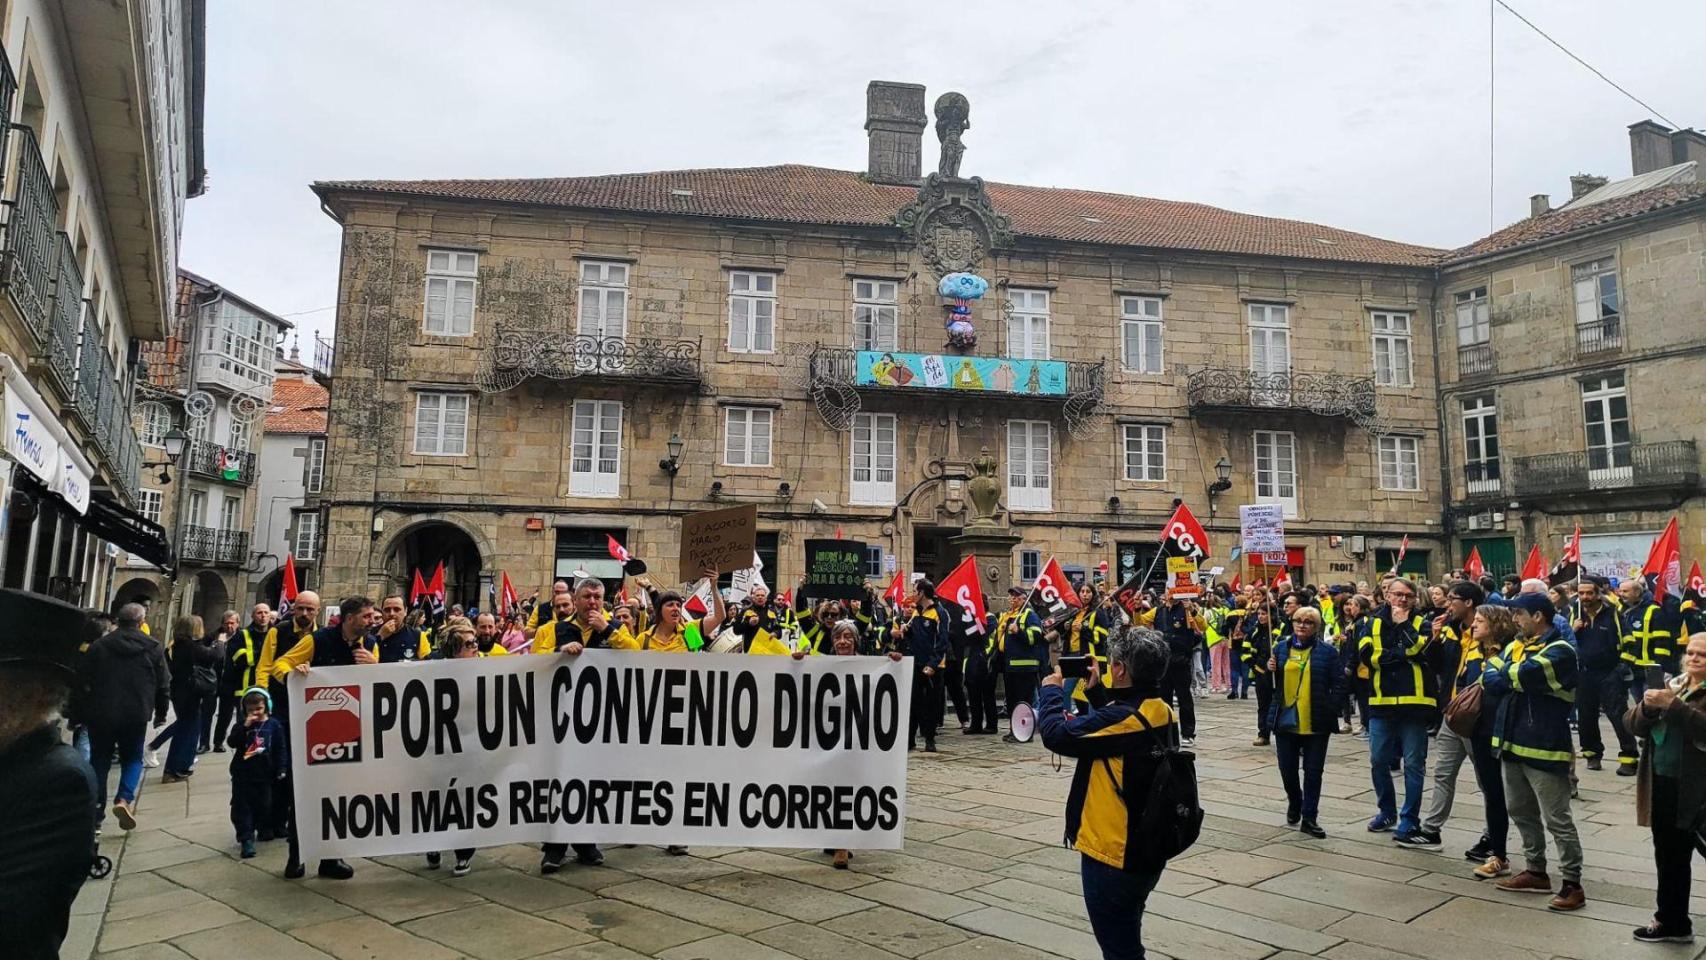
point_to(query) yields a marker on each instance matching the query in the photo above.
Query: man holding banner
(924, 639)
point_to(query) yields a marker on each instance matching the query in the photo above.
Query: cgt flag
(508, 602)
(1663, 569)
(897, 588)
(287, 594)
(1052, 596)
(1473, 565)
(1696, 583)
(1534, 567)
(962, 589)
(1569, 566)
(1183, 536)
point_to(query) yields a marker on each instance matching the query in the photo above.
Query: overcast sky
(1365, 116)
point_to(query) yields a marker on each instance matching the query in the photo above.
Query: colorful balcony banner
(934, 371)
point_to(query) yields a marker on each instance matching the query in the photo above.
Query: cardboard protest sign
(1182, 578)
(720, 540)
(1261, 527)
(835, 570)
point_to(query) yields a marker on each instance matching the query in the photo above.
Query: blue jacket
(1598, 644)
(1537, 679)
(1560, 623)
(1326, 687)
(258, 753)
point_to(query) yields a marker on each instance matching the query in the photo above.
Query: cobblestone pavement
(983, 875)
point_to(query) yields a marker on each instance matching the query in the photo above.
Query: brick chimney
(894, 125)
(1538, 204)
(1686, 145)
(1583, 183)
(1649, 147)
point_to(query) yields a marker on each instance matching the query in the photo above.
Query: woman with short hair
(1309, 689)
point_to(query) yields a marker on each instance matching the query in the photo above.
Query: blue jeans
(1114, 900)
(128, 739)
(1240, 676)
(1310, 752)
(186, 736)
(1388, 737)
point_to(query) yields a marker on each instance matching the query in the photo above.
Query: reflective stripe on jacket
(1538, 680)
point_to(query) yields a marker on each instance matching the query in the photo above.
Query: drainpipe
(1446, 528)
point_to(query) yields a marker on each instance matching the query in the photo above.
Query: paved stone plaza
(983, 875)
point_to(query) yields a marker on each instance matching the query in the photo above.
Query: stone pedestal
(993, 547)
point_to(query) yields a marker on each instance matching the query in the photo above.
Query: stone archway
(421, 545)
(210, 598)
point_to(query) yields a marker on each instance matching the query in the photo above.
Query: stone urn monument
(984, 537)
(984, 491)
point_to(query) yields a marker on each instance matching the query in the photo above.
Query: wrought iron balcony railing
(27, 269)
(221, 463)
(215, 546)
(1483, 479)
(521, 353)
(8, 92)
(323, 351)
(67, 319)
(1321, 394)
(91, 362)
(1670, 465)
(1474, 359)
(1599, 336)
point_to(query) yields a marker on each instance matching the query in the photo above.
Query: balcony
(210, 545)
(1599, 336)
(224, 464)
(67, 319)
(31, 248)
(1669, 467)
(1475, 359)
(1238, 391)
(8, 93)
(838, 377)
(220, 371)
(1483, 479)
(523, 353)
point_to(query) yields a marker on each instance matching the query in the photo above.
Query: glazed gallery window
(441, 424)
(450, 292)
(874, 315)
(155, 422)
(307, 542)
(1029, 484)
(1393, 365)
(1473, 323)
(316, 465)
(1145, 452)
(150, 503)
(873, 459)
(603, 299)
(752, 312)
(595, 454)
(1276, 469)
(746, 436)
(1140, 330)
(1400, 463)
(1027, 325)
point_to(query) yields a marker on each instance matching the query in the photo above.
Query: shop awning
(111, 521)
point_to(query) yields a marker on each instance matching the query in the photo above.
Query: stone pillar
(993, 548)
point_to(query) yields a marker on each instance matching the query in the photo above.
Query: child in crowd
(258, 759)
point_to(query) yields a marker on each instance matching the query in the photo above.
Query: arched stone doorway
(421, 547)
(269, 587)
(135, 587)
(209, 598)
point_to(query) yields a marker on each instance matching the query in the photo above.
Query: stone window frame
(1130, 318)
(1380, 461)
(1293, 504)
(1485, 409)
(1466, 297)
(770, 446)
(1393, 336)
(1041, 504)
(604, 287)
(597, 405)
(853, 463)
(451, 276)
(876, 303)
(1604, 263)
(1266, 307)
(1125, 451)
(1015, 311)
(1032, 557)
(301, 524)
(755, 296)
(467, 418)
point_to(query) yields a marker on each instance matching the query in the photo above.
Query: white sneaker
(1188, 741)
(151, 758)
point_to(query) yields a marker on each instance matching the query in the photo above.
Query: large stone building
(211, 382)
(292, 477)
(100, 145)
(525, 366)
(1569, 346)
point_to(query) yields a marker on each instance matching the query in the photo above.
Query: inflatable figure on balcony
(962, 289)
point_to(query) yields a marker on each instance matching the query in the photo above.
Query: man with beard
(395, 641)
(1399, 649)
(581, 622)
(487, 633)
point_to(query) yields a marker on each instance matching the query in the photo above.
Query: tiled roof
(298, 406)
(1567, 220)
(816, 195)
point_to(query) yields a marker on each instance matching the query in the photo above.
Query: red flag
(1403, 548)
(1696, 583)
(786, 598)
(435, 589)
(1573, 550)
(417, 589)
(1183, 536)
(838, 535)
(1664, 562)
(1472, 566)
(617, 551)
(1534, 568)
(1053, 595)
(287, 594)
(1569, 566)
(962, 589)
(897, 588)
(700, 603)
(508, 600)
(1237, 584)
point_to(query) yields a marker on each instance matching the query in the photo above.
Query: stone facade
(1541, 358)
(511, 496)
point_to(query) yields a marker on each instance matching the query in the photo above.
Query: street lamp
(672, 463)
(1221, 484)
(173, 441)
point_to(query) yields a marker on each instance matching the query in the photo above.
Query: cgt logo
(334, 725)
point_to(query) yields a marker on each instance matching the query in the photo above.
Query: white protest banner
(604, 747)
(1261, 527)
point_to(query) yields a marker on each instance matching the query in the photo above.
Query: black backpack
(1171, 815)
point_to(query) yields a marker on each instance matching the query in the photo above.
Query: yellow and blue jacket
(1028, 650)
(1403, 672)
(1649, 634)
(1536, 679)
(1116, 745)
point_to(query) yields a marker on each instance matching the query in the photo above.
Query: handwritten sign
(1182, 578)
(835, 569)
(720, 540)
(1261, 527)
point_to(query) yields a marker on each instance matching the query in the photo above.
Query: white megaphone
(1023, 721)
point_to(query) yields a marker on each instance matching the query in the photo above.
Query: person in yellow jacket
(580, 622)
(304, 618)
(675, 631)
(543, 610)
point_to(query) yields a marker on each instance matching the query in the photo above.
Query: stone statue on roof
(953, 117)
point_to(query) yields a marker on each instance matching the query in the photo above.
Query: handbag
(1464, 711)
